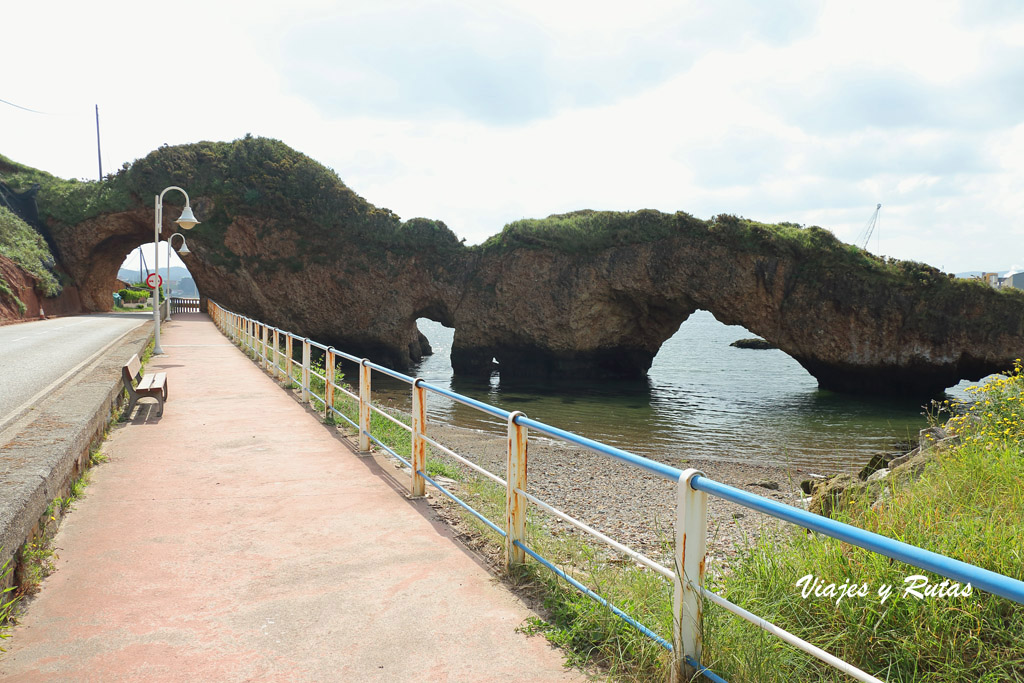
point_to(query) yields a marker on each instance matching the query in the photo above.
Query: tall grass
(967, 505)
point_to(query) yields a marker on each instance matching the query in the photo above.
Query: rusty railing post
(329, 378)
(288, 352)
(364, 406)
(419, 446)
(277, 341)
(690, 551)
(263, 346)
(515, 502)
(305, 369)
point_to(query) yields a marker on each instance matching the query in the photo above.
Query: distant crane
(869, 229)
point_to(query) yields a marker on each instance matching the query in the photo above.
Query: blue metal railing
(689, 482)
(984, 579)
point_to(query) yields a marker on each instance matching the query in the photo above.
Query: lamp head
(187, 220)
(184, 248)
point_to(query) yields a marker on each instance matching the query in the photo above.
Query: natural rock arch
(855, 322)
(583, 294)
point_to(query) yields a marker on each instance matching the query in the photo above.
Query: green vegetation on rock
(29, 251)
(257, 177)
(850, 274)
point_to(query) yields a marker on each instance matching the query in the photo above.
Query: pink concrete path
(235, 539)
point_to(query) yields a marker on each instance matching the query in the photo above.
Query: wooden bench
(147, 386)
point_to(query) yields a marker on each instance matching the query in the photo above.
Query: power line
(34, 111)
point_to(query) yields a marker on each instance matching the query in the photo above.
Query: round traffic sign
(154, 281)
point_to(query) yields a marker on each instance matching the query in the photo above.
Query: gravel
(627, 504)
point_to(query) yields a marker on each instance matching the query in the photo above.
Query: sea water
(702, 399)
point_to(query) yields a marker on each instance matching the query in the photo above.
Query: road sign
(154, 281)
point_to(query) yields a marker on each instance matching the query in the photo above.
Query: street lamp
(184, 250)
(186, 221)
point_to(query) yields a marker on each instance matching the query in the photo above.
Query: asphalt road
(34, 355)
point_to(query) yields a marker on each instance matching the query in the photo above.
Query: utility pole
(99, 157)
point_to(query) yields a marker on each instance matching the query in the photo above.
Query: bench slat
(134, 366)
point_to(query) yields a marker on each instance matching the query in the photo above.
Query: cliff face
(586, 294)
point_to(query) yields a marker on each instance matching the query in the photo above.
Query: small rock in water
(755, 343)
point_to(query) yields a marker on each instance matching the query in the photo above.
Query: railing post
(305, 369)
(277, 340)
(419, 446)
(690, 551)
(288, 363)
(364, 405)
(263, 364)
(329, 382)
(515, 502)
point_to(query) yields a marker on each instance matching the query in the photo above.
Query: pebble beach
(628, 504)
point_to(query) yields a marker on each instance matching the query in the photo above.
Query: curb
(47, 447)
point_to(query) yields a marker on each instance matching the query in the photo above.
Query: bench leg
(160, 403)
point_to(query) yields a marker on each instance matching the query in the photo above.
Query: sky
(482, 113)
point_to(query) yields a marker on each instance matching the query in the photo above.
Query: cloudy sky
(480, 113)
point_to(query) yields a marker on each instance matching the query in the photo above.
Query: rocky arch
(607, 313)
(586, 294)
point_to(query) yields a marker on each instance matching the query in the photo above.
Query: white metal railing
(691, 505)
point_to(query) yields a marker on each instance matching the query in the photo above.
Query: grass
(967, 505)
(8, 601)
(38, 554)
(588, 632)
(28, 250)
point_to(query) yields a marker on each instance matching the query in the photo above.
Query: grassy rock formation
(587, 293)
(599, 292)
(281, 239)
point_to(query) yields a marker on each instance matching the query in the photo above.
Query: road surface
(35, 355)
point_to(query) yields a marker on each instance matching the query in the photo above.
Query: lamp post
(186, 221)
(184, 250)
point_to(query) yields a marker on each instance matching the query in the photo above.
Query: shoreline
(626, 503)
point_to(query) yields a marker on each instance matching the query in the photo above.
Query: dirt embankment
(23, 287)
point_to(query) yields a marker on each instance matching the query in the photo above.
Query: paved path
(236, 539)
(34, 355)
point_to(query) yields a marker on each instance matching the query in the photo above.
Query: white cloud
(812, 112)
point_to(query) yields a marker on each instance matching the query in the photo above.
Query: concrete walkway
(235, 539)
